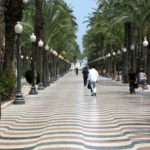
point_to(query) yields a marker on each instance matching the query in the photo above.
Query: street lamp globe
(40, 43)
(32, 38)
(51, 50)
(18, 28)
(25, 1)
(114, 53)
(118, 52)
(56, 53)
(124, 50)
(46, 47)
(145, 42)
(132, 47)
(22, 56)
(108, 54)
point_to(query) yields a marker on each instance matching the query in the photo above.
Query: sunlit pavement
(65, 116)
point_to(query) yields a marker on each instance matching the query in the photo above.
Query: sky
(82, 9)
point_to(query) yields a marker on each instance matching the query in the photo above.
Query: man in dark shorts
(132, 80)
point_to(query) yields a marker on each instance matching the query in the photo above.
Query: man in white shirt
(92, 79)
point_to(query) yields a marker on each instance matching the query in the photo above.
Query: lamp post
(132, 57)
(33, 90)
(19, 97)
(52, 66)
(57, 75)
(109, 64)
(22, 68)
(45, 66)
(145, 44)
(55, 64)
(40, 45)
(106, 65)
(125, 66)
(118, 70)
(114, 65)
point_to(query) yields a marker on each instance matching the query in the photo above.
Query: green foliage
(7, 82)
(28, 76)
(59, 27)
(107, 22)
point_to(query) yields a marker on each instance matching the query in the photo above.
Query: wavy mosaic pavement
(65, 117)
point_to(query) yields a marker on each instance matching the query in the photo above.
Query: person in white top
(92, 79)
(142, 78)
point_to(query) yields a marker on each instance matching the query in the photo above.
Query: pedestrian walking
(132, 81)
(92, 79)
(142, 79)
(104, 73)
(77, 70)
(85, 72)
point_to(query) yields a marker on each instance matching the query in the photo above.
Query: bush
(7, 83)
(28, 76)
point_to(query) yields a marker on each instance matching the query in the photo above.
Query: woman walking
(142, 79)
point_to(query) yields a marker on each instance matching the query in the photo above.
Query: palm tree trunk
(38, 26)
(126, 55)
(9, 48)
(1, 33)
(13, 14)
(140, 50)
(148, 57)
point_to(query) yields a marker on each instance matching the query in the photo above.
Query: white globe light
(118, 52)
(51, 50)
(25, 1)
(46, 47)
(55, 53)
(18, 28)
(22, 56)
(145, 42)
(40, 43)
(108, 55)
(32, 37)
(132, 47)
(114, 53)
(124, 49)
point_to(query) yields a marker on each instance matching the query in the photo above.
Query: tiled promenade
(65, 116)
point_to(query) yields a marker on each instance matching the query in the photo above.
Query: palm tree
(13, 14)
(137, 16)
(133, 16)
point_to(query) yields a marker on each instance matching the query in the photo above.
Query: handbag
(89, 86)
